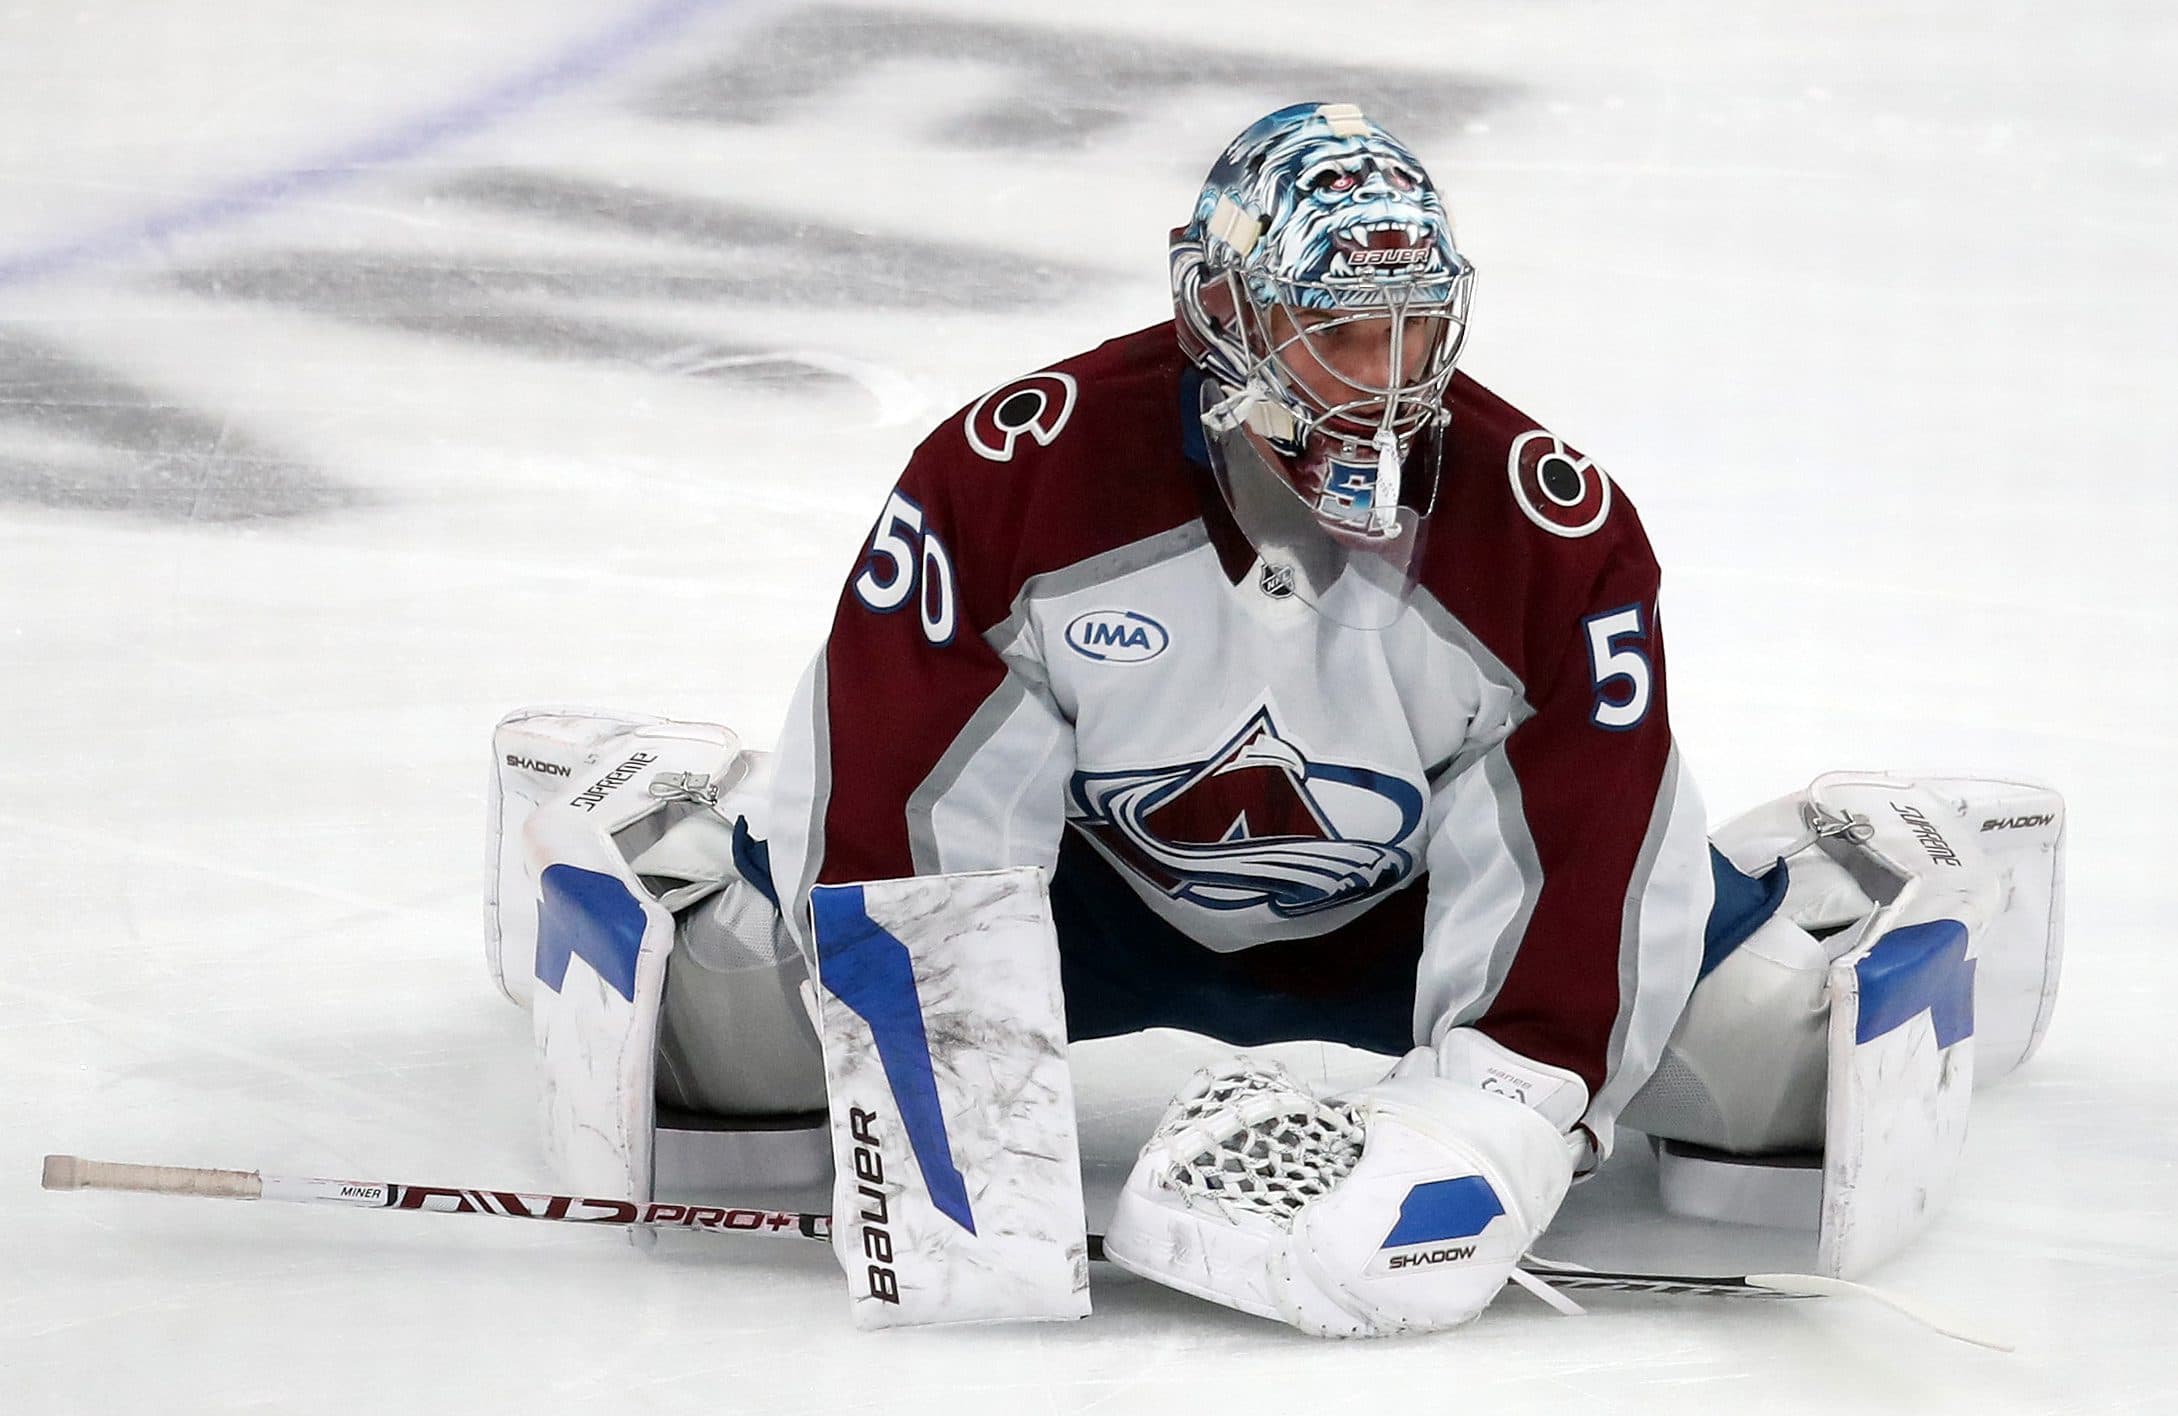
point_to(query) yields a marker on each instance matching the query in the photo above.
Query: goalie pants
(1125, 969)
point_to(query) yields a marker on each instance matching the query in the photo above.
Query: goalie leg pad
(536, 754)
(602, 944)
(2019, 831)
(2009, 836)
(1931, 912)
(958, 1195)
(590, 887)
(609, 871)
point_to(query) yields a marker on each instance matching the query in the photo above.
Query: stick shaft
(67, 1172)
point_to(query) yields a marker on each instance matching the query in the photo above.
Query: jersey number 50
(1619, 664)
(905, 559)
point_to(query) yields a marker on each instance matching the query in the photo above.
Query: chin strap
(1232, 410)
(1251, 405)
(1384, 505)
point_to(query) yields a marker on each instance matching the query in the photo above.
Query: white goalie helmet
(1318, 290)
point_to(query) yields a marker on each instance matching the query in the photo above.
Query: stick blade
(62, 1172)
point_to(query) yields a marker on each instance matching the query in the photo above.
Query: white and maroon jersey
(1057, 627)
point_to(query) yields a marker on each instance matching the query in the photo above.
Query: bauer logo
(1117, 636)
(876, 1214)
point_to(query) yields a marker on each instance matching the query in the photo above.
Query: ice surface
(366, 371)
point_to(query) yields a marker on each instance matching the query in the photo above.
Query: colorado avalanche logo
(1561, 491)
(1037, 406)
(1255, 824)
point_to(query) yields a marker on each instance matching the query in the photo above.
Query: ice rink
(369, 370)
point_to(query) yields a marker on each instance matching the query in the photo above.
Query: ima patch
(1560, 490)
(1117, 636)
(1037, 406)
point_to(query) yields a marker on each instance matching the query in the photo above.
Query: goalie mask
(1318, 290)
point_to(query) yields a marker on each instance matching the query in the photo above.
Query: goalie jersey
(1059, 651)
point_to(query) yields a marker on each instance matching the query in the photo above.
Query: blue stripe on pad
(864, 966)
(596, 918)
(1915, 969)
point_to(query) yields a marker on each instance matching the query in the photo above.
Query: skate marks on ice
(1063, 89)
(566, 307)
(671, 284)
(76, 436)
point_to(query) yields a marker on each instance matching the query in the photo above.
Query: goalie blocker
(958, 1196)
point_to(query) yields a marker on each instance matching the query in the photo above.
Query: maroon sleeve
(905, 667)
(1569, 870)
(1593, 768)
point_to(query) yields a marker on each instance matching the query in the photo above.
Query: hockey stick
(68, 1172)
(1559, 1274)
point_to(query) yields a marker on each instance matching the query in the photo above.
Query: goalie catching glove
(1399, 1207)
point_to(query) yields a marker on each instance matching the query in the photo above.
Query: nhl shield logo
(1255, 824)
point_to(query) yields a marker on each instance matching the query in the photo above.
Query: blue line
(585, 60)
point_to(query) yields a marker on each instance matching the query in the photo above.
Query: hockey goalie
(1258, 674)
